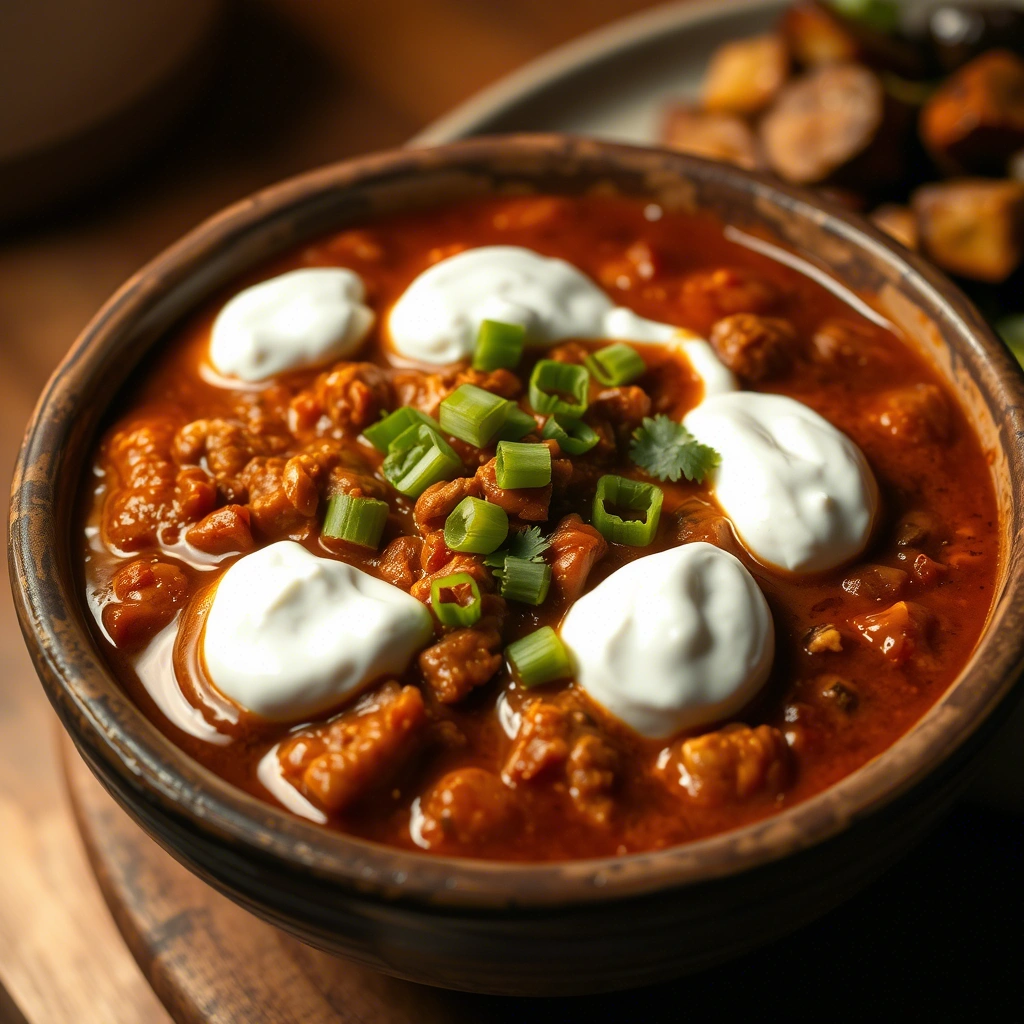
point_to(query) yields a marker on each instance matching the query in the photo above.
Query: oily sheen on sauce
(207, 459)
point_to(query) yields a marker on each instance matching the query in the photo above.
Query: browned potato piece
(830, 120)
(972, 226)
(723, 137)
(897, 222)
(815, 35)
(745, 76)
(975, 122)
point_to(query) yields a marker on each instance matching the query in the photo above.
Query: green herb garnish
(527, 544)
(667, 450)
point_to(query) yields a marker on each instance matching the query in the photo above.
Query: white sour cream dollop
(798, 491)
(673, 640)
(290, 322)
(290, 634)
(436, 319)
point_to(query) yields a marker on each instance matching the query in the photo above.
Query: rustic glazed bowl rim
(121, 744)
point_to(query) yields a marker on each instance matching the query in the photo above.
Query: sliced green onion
(418, 458)
(539, 658)
(574, 437)
(384, 432)
(634, 496)
(559, 387)
(453, 612)
(473, 415)
(522, 465)
(476, 526)
(357, 520)
(616, 364)
(517, 424)
(524, 580)
(498, 346)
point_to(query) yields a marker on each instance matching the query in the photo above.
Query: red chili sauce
(194, 472)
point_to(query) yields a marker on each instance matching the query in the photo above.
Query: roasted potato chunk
(834, 123)
(715, 136)
(975, 122)
(744, 76)
(972, 226)
(898, 222)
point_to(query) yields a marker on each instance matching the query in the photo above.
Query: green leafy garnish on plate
(667, 450)
(527, 544)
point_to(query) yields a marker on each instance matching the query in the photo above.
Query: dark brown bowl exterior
(547, 929)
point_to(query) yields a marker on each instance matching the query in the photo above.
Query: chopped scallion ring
(616, 365)
(539, 658)
(524, 580)
(356, 520)
(450, 610)
(476, 526)
(574, 437)
(632, 496)
(473, 415)
(559, 387)
(417, 458)
(498, 346)
(386, 430)
(522, 465)
(517, 425)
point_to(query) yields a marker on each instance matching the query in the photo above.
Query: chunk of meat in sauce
(351, 395)
(527, 503)
(558, 740)
(470, 564)
(195, 494)
(899, 632)
(876, 582)
(709, 295)
(426, 391)
(730, 766)
(226, 448)
(400, 562)
(460, 662)
(623, 407)
(467, 806)
(438, 501)
(147, 596)
(338, 763)
(575, 549)
(282, 496)
(919, 413)
(755, 347)
(223, 531)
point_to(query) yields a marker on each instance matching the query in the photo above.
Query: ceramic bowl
(568, 927)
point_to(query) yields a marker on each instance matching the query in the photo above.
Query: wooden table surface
(298, 84)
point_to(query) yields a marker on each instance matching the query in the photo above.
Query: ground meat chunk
(226, 448)
(336, 764)
(426, 391)
(400, 562)
(899, 632)
(755, 347)
(461, 661)
(133, 517)
(919, 413)
(142, 453)
(351, 395)
(500, 382)
(624, 407)
(456, 563)
(147, 596)
(195, 494)
(438, 501)
(435, 553)
(575, 549)
(468, 805)
(559, 741)
(527, 503)
(223, 531)
(709, 295)
(282, 495)
(876, 582)
(730, 765)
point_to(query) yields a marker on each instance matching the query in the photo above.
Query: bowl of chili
(640, 857)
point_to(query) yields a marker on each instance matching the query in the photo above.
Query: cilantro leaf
(667, 450)
(527, 544)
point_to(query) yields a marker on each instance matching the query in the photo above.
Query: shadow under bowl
(562, 928)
